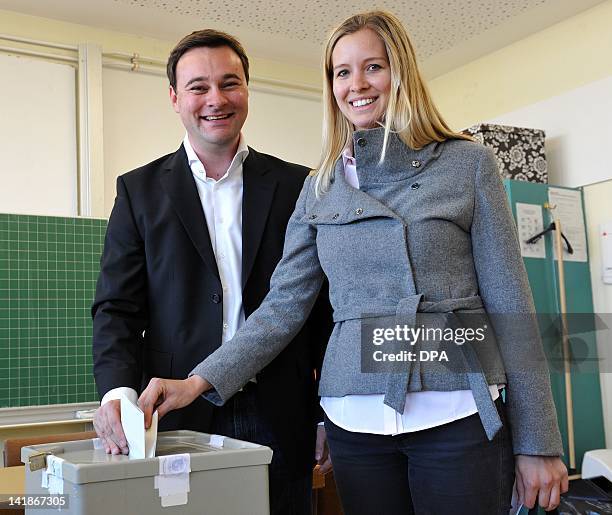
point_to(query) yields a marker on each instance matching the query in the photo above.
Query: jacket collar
(401, 162)
(343, 204)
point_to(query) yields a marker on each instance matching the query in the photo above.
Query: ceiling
(446, 33)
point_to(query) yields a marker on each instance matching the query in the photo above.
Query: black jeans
(239, 418)
(449, 469)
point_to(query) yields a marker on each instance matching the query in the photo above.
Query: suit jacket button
(362, 142)
(216, 298)
(358, 211)
(416, 163)
(335, 217)
(312, 217)
(415, 186)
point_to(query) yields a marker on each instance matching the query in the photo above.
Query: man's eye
(230, 85)
(198, 89)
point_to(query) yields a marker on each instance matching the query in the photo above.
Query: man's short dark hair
(205, 38)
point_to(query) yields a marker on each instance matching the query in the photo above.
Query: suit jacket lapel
(257, 195)
(179, 184)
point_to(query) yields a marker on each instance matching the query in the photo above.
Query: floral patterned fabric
(519, 151)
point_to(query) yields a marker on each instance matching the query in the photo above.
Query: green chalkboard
(48, 272)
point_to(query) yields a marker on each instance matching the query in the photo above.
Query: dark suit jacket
(158, 306)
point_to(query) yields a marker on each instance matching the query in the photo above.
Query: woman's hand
(540, 477)
(170, 394)
(322, 451)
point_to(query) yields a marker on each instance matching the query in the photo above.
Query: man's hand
(322, 452)
(169, 394)
(107, 423)
(540, 477)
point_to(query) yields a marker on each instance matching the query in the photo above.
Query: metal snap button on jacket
(358, 211)
(416, 163)
(415, 186)
(362, 142)
(216, 298)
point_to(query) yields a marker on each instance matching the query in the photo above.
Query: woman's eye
(373, 67)
(342, 73)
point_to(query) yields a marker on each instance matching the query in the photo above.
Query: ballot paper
(516, 504)
(140, 442)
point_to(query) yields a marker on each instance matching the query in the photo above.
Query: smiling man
(191, 245)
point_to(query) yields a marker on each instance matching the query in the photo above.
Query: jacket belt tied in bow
(397, 384)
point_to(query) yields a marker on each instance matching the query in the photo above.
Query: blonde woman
(403, 216)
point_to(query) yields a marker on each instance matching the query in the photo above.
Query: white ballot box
(192, 473)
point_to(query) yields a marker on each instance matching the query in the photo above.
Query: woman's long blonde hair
(410, 111)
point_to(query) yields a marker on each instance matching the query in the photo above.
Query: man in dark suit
(191, 244)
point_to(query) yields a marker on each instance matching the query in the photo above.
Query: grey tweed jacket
(428, 230)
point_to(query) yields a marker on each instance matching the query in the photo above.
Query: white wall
(564, 57)
(285, 126)
(598, 207)
(139, 124)
(578, 127)
(37, 137)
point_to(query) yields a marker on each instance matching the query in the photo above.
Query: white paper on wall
(568, 208)
(530, 222)
(606, 251)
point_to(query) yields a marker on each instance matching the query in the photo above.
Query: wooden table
(12, 482)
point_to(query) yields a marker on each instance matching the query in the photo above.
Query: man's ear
(173, 99)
